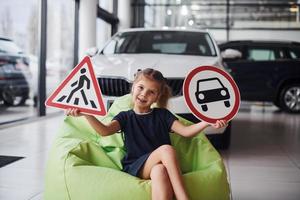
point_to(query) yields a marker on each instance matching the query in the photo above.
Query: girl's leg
(161, 185)
(166, 155)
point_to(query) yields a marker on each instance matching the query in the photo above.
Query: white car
(174, 52)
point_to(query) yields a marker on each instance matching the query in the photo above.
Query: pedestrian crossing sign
(80, 89)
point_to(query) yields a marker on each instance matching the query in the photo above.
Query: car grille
(119, 87)
(114, 87)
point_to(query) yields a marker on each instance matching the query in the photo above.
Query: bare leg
(161, 185)
(166, 155)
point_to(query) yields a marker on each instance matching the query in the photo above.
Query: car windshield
(165, 42)
(7, 46)
(209, 84)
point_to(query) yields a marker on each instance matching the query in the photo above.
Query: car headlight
(201, 96)
(223, 92)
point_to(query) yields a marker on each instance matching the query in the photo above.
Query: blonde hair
(155, 75)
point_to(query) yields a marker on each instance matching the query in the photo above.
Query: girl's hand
(74, 112)
(219, 124)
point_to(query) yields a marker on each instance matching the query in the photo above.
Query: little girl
(146, 129)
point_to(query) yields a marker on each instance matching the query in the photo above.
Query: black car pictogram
(211, 90)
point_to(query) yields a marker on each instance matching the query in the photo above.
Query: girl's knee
(158, 171)
(167, 150)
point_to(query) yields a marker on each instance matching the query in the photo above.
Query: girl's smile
(144, 92)
(141, 100)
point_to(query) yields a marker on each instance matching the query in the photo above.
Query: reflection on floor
(263, 161)
(17, 113)
(264, 158)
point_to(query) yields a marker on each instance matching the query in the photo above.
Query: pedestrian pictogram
(80, 90)
(211, 94)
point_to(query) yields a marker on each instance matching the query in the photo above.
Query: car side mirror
(92, 51)
(231, 54)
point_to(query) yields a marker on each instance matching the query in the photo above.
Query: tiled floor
(263, 161)
(264, 157)
(24, 179)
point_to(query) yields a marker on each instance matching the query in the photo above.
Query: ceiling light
(195, 7)
(184, 10)
(191, 22)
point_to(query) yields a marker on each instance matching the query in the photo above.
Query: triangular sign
(80, 89)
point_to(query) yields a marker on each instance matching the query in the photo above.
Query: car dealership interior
(231, 60)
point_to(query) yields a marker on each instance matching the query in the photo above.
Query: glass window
(19, 44)
(16, 49)
(133, 45)
(294, 53)
(124, 43)
(110, 48)
(261, 54)
(60, 44)
(8, 46)
(169, 48)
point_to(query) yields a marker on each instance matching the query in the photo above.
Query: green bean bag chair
(84, 165)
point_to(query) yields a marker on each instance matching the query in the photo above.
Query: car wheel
(221, 141)
(204, 107)
(10, 98)
(35, 101)
(227, 103)
(290, 98)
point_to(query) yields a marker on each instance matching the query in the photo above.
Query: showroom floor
(263, 161)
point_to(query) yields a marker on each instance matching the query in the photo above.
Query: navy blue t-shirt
(143, 134)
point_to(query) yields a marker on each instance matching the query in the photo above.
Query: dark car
(14, 88)
(211, 90)
(265, 71)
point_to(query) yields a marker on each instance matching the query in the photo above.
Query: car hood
(126, 65)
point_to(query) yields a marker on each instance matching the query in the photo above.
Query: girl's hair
(154, 75)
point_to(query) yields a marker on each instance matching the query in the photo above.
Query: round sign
(211, 94)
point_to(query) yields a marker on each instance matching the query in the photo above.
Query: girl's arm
(100, 128)
(192, 130)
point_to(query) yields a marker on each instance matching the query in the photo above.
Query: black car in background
(14, 87)
(265, 71)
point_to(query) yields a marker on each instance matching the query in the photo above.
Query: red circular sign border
(190, 104)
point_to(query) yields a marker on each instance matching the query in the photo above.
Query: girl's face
(145, 92)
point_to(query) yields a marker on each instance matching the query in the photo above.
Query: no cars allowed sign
(211, 94)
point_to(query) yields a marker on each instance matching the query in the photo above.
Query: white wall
(87, 25)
